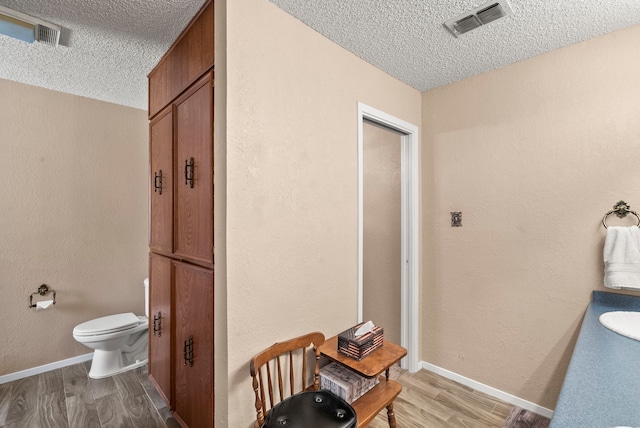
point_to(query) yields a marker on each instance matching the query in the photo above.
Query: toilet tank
(146, 297)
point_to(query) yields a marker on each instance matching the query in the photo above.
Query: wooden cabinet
(189, 57)
(160, 324)
(181, 224)
(181, 196)
(193, 233)
(188, 290)
(193, 345)
(161, 194)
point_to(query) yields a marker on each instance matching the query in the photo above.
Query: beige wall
(73, 215)
(382, 228)
(291, 152)
(533, 154)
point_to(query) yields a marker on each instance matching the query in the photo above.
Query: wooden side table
(383, 394)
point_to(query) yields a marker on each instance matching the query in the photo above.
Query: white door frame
(409, 294)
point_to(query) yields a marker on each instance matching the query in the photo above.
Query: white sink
(624, 323)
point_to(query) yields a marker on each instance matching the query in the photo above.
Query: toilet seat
(106, 325)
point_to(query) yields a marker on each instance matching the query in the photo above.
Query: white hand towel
(622, 258)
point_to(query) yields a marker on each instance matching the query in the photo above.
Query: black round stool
(312, 409)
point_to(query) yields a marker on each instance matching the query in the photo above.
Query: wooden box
(361, 346)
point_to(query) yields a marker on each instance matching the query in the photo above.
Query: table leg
(386, 373)
(391, 416)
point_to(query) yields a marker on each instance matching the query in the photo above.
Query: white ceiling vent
(479, 16)
(48, 34)
(28, 28)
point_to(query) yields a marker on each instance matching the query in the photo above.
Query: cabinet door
(161, 183)
(160, 324)
(194, 173)
(188, 57)
(193, 345)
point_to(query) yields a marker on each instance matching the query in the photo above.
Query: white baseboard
(45, 368)
(496, 393)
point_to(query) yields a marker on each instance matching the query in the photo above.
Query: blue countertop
(602, 385)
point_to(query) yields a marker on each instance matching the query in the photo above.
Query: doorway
(382, 231)
(408, 251)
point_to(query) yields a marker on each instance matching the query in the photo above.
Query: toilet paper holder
(42, 290)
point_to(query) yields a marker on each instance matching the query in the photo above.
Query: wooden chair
(267, 372)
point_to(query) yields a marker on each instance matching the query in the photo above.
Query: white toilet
(120, 341)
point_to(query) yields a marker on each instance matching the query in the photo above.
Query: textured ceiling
(406, 38)
(109, 46)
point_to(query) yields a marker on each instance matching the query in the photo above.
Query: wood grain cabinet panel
(193, 128)
(160, 324)
(176, 81)
(198, 47)
(189, 57)
(159, 88)
(193, 345)
(161, 182)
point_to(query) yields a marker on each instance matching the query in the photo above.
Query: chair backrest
(273, 382)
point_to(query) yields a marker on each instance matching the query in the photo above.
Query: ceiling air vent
(466, 24)
(48, 35)
(491, 13)
(28, 28)
(479, 16)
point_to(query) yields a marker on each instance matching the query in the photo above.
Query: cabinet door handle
(188, 172)
(188, 352)
(157, 324)
(157, 182)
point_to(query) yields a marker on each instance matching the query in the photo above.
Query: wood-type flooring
(428, 400)
(66, 397)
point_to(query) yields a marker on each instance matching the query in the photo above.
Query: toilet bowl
(119, 341)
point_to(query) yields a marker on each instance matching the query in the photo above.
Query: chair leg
(391, 416)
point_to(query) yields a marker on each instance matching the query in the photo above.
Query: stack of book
(345, 383)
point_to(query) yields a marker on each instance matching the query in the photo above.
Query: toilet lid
(108, 324)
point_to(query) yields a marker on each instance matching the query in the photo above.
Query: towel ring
(621, 209)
